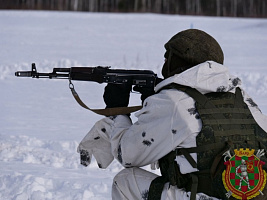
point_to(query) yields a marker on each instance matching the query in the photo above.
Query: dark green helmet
(189, 48)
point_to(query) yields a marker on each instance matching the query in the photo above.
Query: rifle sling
(106, 111)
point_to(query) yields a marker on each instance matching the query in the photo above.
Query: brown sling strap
(106, 111)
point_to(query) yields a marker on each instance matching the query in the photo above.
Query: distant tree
(235, 8)
(218, 7)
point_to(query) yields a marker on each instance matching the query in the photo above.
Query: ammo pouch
(227, 124)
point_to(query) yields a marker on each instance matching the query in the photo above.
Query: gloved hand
(145, 92)
(85, 157)
(97, 143)
(117, 95)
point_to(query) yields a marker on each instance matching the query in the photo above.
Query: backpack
(227, 124)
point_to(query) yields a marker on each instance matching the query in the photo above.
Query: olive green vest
(227, 124)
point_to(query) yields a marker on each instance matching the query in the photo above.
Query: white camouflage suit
(167, 120)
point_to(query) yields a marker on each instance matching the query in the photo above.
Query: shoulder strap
(196, 95)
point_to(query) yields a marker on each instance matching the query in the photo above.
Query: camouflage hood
(205, 77)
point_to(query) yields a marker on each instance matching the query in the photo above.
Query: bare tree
(198, 7)
(263, 9)
(235, 8)
(218, 7)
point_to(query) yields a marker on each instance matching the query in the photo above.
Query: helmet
(189, 48)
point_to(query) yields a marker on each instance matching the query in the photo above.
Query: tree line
(233, 8)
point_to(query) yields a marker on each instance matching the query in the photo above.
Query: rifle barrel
(23, 73)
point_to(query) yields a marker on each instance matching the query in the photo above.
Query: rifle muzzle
(24, 73)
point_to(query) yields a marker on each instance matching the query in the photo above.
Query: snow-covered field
(40, 122)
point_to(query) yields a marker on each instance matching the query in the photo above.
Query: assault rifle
(139, 78)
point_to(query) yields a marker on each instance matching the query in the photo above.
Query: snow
(41, 125)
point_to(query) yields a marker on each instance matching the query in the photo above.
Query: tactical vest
(227, 124)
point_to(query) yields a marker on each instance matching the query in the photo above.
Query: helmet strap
(169, 62)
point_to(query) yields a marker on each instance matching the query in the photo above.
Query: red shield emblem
(244, 177)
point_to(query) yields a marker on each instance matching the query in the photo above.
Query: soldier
(198, 112)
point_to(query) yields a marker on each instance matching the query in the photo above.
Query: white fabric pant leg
(173, 193)
(132, 184)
